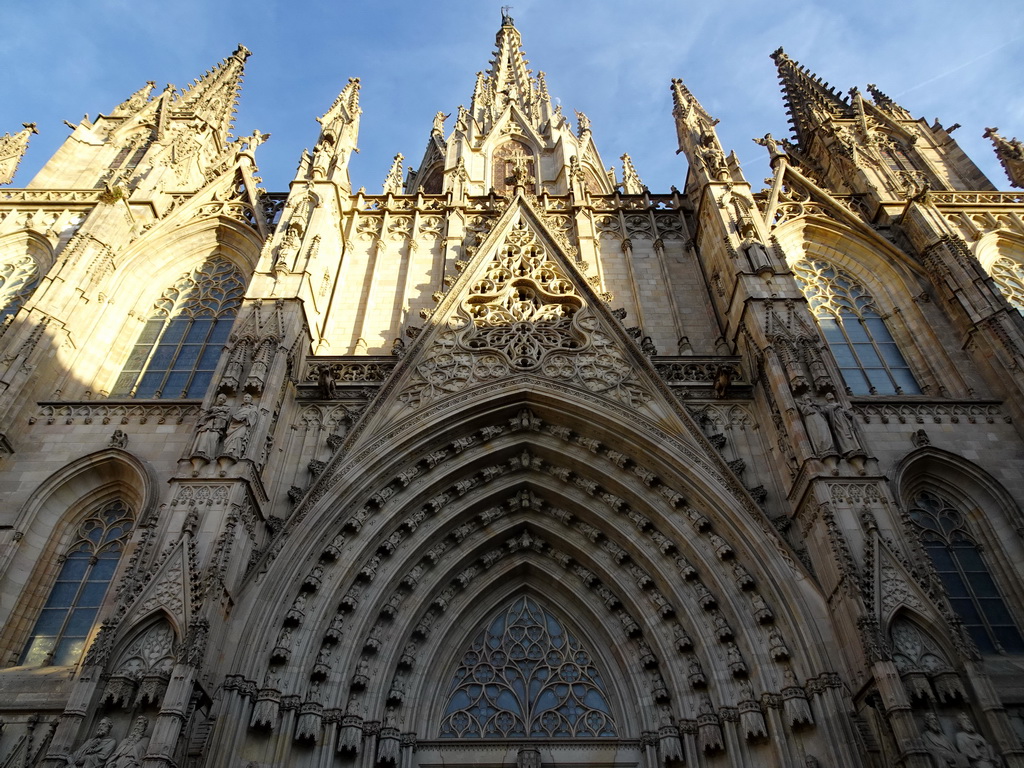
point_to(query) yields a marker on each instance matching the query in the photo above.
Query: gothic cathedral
(517, 462)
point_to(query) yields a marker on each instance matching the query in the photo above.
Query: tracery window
(867, 355)
(18, 279)
(178, 349)
(958, 560)
(1009, 276)
(67, 619)
(525, 675)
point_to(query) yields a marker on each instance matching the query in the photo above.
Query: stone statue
(757, 255)
(582, 122)
(972, 745)
(132, 750)
(289, 247)
(95, 751)
(942, 751)
(439, 119)
(817, 426)
(119, 439)
(242, 422)
(841, 424)
(212, 426)
(325, 380)
(770, 143)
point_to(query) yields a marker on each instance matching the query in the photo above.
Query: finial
(242, 53)
(506, 20)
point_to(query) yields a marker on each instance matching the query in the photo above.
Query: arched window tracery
(961, 566)
(88, 568)
(178, 350)
(868, 357)
(19, 277)
(1008, 274)
(526, 676)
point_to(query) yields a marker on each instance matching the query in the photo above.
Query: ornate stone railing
(363, 369)
(976, 198)
(123, 412)
(62, 196)
(930, 412)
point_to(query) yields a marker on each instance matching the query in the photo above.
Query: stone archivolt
(486, 503)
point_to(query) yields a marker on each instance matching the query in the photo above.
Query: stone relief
(523, 315)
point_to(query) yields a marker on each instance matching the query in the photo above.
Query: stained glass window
(969, 585)
(524, 676)
(177, 352)
(867, 355)
(67, 619)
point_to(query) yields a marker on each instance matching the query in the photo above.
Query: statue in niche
(816, 424)
(241, 424)
(212, 426)
(288, 248)
(841, 424)
(972, 745)
(132, 750)
(95, 751)
(938, 745)
(757, 255)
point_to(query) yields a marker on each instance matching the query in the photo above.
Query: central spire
(510, 137)
(508, 81)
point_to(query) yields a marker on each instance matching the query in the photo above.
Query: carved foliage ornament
(523, 315)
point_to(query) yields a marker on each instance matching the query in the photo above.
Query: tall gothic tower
(518, 461)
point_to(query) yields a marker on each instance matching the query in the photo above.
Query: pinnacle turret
(136, 101)
(631, 183)
(1011, 155)
(214, 97)
(12, 149)
(393, 181)
(886, 104)
(809, 100)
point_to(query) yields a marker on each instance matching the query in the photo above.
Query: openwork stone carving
(523, 315)
(526, 676)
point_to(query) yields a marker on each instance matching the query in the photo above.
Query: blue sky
(955, 60)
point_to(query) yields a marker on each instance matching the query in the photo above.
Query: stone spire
(12, 149)
(695, 129)
(339, 132)
(809, 100)
(393, 181)
(508, 81)
(1011, 155)
(886, 104)
(631, 183)
(136, 101)
(214, 97)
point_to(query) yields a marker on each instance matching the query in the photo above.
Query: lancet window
(961, 566)
(524, 676)
(177, 352)
(89, 564)
(1009, 276)
(18, 279)
(864, 349)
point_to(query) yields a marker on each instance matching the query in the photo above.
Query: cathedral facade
(518, 462)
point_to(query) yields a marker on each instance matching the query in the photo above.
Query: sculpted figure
(439, 119)
(95, 751)
(942, 751)
(817, 426)
(770, 143)
(212, 426)
(132, 750)
(972, 745)
(242, 422)
(841, 424)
